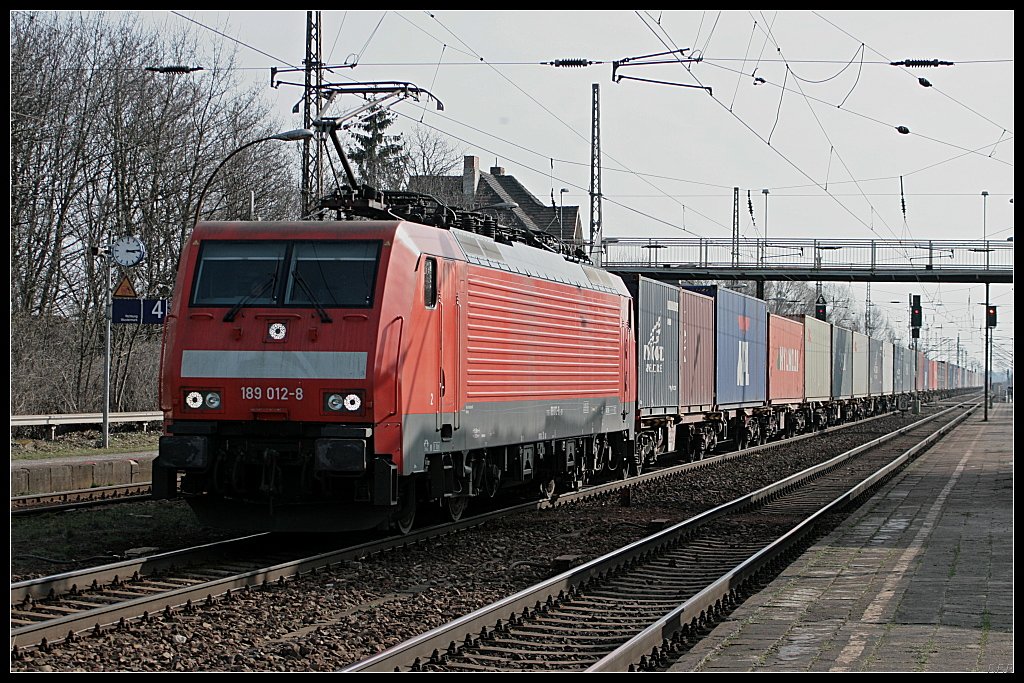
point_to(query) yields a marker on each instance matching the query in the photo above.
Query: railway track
(80, 498)
(633, 608)
(51, 609)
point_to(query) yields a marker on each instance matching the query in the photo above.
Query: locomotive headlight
(277, 331)
(213, 400)
(194, 399)
(343, 402)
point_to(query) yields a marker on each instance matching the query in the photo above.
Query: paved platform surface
(919, 578)
(79, 472)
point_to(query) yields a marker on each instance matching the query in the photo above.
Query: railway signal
(819, 308)
(915, 311)
(990, 316)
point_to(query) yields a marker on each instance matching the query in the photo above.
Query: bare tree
(432, 159)
(100, 148)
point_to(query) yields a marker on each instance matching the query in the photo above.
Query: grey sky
(503, 106)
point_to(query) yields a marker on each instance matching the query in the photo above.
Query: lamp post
(764, 252)
(984, 233)
(287, 136)
(561, 210)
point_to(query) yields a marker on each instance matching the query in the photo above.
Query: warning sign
(125, 290)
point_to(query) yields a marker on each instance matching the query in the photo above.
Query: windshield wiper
(267, 285)
(312, 299)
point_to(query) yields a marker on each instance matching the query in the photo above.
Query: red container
(785, 360)
(696, 352)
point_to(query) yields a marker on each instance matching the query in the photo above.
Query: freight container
(909, 371)
(933, 375)
(741, 347)
(874, 367)
(861, 372)
(696, 352)
(785, 360)
(897, 369)
(817, 359)
(842, 363)
(888, 363)
(656, 308)
(921, 368)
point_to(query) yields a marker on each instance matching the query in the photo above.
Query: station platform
(919, 578)
(71, 473)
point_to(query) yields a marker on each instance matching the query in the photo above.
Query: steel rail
(107, 615)
(445, 638)
(79, 498)
(628, 656)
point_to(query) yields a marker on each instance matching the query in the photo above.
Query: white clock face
(127, 251)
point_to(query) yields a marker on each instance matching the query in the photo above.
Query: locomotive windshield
(274, 273)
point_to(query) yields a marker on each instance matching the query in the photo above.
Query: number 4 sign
(153, 311)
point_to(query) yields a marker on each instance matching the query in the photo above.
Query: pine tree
(381, 159)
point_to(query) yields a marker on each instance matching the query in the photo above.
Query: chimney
(497, 170)
(470, 180)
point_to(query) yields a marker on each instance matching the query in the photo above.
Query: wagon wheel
(454, 507)
(637, 466)
(583, 476)
(624, 472)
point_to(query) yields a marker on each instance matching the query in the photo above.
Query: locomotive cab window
(332, 274)
(229, 272)
(430, 282)
(292, 274)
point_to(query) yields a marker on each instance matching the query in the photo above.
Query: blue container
(741, 347)
(656, 305)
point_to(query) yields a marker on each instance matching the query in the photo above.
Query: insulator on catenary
(925, 82)
(921, 63)
(903, 129)
(174, 69)
(571, 63)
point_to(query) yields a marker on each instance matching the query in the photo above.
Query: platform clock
(127, 251)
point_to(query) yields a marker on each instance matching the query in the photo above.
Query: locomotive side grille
(539, 342)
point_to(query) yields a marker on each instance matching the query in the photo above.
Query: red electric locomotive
(325, 376)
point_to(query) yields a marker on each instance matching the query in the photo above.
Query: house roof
(494, 188)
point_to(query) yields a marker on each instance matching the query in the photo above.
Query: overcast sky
(673, 154)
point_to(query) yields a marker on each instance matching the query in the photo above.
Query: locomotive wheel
(454, 507)
(405, 519)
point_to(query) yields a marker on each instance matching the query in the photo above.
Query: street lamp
(287, 136)
(764, 253)
(984, 215)
(988, 356)
(561, 210)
